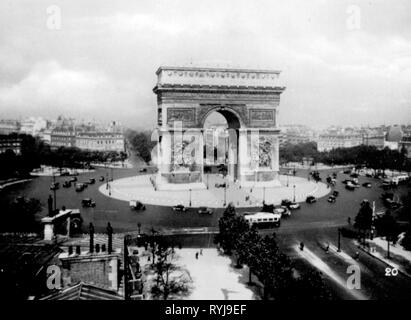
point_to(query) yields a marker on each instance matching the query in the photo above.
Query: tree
(247, 248)
(387, 227)
(231, 227)
(171, 280)
(363, 220)
(141, 144)
(309, 286)
(21, 215)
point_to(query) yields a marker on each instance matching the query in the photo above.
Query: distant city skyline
(343, 63)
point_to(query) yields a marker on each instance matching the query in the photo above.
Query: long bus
(263, 220)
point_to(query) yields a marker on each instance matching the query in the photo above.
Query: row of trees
(140, 143)
(361, 155)
(264, 258)
(34, 152)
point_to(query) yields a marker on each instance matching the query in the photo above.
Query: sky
(342, 62)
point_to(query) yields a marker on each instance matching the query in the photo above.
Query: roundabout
(141, 188)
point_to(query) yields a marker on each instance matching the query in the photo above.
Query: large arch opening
(221, 130)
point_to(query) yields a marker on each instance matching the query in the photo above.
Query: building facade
(100, 141)
(10, 143)
(62, 137)
(329, 141)
(9, 126)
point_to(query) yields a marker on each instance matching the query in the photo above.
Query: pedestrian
(201, 252)
(197, 255)
(357, 255)
(349, 220)
(301, 246)
(327, 248)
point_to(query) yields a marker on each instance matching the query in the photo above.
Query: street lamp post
(287, 179)
(225, 194)
(207, 179)
(388, 248)
(54, 191)
(190, 198)
(339, 240)
(294, 193)
(264, 195)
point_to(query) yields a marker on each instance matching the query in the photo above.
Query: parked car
(67, 184)
(137, 205)
(179, 208)
(205, 210)
(310, 199)
(283, 211)
(73, 179)
(88, 203)
(101, 178)
(354, 175)
(332, 199)
(91, 181)
(366, 184)
(143, 170)
(335, 193)
(290, 204)
(220, 185)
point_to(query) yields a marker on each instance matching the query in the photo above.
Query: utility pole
(225, 194)
(263, 195)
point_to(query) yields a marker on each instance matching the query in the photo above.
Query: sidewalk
(140, 188)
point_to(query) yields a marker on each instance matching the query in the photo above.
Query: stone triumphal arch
(248, 100)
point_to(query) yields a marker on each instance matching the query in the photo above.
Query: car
(91, 181)
(101, 178)
(79, 187)
(290, 204)
(205, 210)
(73, 179)
(179, 208)
(143, 170)
(346, 181)
(332, 199)
(137, 205)
(350, 186)
(220, 185)
(88, 203)
(366, 184)
(283, 211)
(310, 199)
(335, 193)
(67, 184)
(347, 171)
(54, 186)
(354, 175)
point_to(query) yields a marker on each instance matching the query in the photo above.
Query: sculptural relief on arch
(247, 99)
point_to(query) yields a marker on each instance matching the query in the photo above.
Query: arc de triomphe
(248, 99)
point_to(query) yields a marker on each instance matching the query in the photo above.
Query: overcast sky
(343, 62)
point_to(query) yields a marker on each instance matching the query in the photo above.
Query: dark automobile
(67, 184)
(205, 210)
(79, 187)
(179, 208)
(350, 186)
(73, 179)
(332, 199)
(310, 199)
(354, 175)
(101, 178)
(88, 203)
(137, 205)
(54, 186)
(143, 170)
(283, 211)
(335, 193)
(347, 171)
(290, 204)
(366, 184)
(220, 185)
(91, 181)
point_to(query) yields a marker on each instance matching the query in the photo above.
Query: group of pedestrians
(199, 253)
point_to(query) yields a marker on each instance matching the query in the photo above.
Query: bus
(263, 220)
